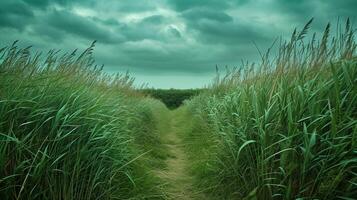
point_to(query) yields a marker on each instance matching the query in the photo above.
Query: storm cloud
(155, 40)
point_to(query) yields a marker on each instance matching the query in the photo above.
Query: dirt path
(179, 182)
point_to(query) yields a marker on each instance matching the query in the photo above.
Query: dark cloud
(296, 7)
(48, 33)
(204, 13)
(46, 3)
(230, 33)
(70, 23)
(135, 32)
(38, 3)
(345, 8)
(164, 36)
(131, 6)
(108, 22)
(219, 28)
(154, 19)
(15, 14)
(181, 5)
(216, 27)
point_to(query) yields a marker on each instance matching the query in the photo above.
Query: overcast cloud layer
(166, 43)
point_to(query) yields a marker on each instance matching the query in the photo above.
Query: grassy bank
(286, 129)
(69, 131)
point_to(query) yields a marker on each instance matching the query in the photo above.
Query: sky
(164, 43)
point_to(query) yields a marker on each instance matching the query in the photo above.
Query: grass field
(283, 129)
(68, 131)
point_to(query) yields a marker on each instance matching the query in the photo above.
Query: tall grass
(69, 131)
(286, 129)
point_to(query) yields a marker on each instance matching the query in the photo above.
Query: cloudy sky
(165, 43)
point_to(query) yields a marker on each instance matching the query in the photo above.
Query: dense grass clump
(172, 98)
(285, 131)
(68, 131)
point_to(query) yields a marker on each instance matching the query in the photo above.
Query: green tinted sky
(165, 43)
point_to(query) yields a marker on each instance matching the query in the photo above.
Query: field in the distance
(172, 98)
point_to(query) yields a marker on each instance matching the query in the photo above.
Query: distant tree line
(172, 98)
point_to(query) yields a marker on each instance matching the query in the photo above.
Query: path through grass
(179, 183)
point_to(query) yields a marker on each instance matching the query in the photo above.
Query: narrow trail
(179, 181)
